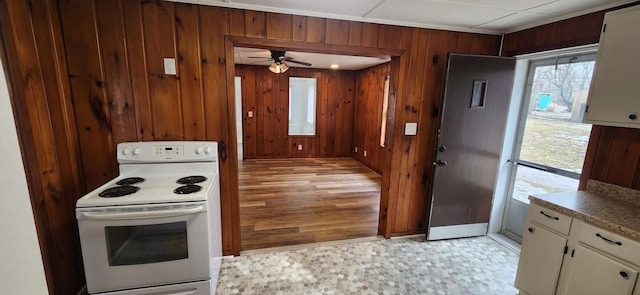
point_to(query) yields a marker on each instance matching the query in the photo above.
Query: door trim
(456, 231)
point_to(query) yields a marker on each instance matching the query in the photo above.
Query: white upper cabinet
(614, 96)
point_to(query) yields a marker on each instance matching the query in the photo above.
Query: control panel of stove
(167, 151)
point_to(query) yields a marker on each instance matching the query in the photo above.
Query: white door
(593, 273)
(540, 261)
(551, 141)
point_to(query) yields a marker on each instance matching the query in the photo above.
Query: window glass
(143, 244)
(302, 106)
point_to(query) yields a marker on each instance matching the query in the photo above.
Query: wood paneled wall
(266, 94)
(35, 63)
(576, 31)
(613, 153)
(368, 116)
(87, 74)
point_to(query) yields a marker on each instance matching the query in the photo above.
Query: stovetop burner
(119, 191)
(187, 189)
(130, 180)
(191, 179)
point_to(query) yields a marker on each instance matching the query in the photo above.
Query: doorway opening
(310, 145)
(550, 139)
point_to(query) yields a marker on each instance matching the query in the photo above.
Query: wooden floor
(298, 201)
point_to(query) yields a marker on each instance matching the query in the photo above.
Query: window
(302, 106)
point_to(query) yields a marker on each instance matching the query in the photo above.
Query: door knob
(633, 116)
(442, 149)
(441, 163)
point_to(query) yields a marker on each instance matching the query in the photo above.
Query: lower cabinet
(593, 273)
(540, 260)
(579, 260)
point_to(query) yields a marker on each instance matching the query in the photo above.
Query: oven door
(130, 247)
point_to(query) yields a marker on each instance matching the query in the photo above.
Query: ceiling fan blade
(260, 57)
(298, 62)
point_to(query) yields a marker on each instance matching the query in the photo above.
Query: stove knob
(126, 151)
(137, 151)
(209, 150)
(199, 150)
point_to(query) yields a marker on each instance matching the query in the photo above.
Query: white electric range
(156, 228)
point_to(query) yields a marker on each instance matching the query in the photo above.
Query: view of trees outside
(554, 135)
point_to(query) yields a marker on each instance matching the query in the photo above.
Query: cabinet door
(613, 97)
(540, 260)
(594, 273)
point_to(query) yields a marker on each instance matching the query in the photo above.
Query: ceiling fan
(279, 58)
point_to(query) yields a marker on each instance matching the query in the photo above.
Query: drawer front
(608, 242)
(550, 218)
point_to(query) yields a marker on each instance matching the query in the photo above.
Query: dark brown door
(476, 100)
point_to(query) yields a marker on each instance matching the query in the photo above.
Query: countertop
(606, 210)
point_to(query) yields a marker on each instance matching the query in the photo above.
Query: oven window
(142, 244)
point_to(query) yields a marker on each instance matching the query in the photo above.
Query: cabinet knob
(530, 229)
(624, 274)
(633, 116)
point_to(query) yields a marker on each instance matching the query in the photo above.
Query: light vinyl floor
(397, 266)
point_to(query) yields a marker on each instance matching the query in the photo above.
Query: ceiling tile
(507, 4)
(440, 13)
(514, 20)
(340, 7)
(562, 7)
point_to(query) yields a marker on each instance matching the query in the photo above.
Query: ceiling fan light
(283, 67)
(275, 68)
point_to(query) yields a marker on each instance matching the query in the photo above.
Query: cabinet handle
(624, 274)
(549, 216)
(633, 116)
(609, 241)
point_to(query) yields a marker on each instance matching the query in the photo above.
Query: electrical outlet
(365, 153)
(356, 149)
(170, 66)
(250, 114)
(299, 147)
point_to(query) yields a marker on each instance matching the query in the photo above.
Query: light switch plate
(170, 66)
(410, 128)
(250, 114)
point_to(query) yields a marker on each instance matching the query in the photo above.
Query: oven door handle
(141, 215)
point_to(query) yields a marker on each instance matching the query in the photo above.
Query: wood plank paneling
(315, 29)
(110, 25)
(337, 32)
(255, 24)
(266, 95)
(88, 91)
(299, 28)
(160, 32)
(236, 22)
(279, 26)
(35, 67)
(190, 71)
(368, 116)
(617, 157)
(576, 31)
(138, 68)
(117, 91)
(355, 33)
(369, 35)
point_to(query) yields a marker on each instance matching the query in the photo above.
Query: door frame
(399, 61)
(533, 61)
